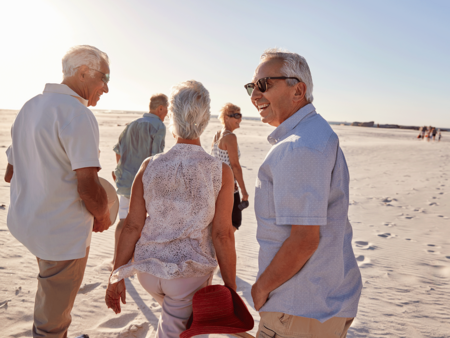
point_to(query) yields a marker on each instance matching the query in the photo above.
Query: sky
(384, 61)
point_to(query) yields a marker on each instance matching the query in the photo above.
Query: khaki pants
(58, 285)
(175, 297)
(277, 324)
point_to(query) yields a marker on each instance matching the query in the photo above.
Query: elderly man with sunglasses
(56, 197)
(308, 282)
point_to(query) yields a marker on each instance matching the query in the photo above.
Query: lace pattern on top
(180, 191)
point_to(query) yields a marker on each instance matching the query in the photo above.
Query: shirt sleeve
(301, 187)
(159, 141)
(80, 139)
(9, 155)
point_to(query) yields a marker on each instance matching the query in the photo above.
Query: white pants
(175, 297)
(124, 205)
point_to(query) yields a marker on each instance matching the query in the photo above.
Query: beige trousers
(58, 285)
(277, 324)
(175, 297)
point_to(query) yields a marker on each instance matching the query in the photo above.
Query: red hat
(217, 309)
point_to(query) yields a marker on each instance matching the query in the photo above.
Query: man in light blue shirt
(308, 282)
(141, 139)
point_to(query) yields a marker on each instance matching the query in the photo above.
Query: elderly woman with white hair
(225, 147)
(188, 197)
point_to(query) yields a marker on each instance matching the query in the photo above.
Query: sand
(400, 209)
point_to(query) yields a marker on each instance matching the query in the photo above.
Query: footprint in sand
(388, 200)
(406, 216)
(432, 248)
(123, 320)
(134, 330)
(88, 287)
(389, 224)
(432, 204)
(365, 245)
(363, 261)
(448, 257)
(386, 235)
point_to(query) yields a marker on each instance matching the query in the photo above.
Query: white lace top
(180, 192)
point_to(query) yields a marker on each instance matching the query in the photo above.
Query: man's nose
(105, 88)
(256, 94)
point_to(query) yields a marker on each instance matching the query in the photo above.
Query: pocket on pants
(277, 324)
(265, 332)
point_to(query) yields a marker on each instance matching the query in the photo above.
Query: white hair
(82, 55)
(294, 66)
(189, 110)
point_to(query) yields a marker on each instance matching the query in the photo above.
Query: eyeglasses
(105, 77)
(262, 83)
(235, 115)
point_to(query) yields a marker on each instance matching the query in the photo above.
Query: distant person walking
(308, 283)
(56, 197)
(428, 135)
(439, 135)
(433, 133)
(424, 130)
(225, 147)
(141, 139)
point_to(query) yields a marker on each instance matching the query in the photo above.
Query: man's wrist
(260, 287)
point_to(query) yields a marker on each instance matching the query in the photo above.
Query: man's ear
(300, 91)
(83, 73)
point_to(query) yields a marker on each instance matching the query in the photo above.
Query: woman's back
(217, 147)
(180, 192)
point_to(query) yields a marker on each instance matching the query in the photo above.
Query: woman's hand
(114, 293)
(244, 195)
(232, 286)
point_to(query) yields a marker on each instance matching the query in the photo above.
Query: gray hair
(82, 55)
(294, 66)
(228, 108)
(158, 100)
(189, 110)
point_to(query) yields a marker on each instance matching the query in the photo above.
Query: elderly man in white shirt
(56, 197)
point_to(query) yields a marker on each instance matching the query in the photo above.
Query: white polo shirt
(53, 135)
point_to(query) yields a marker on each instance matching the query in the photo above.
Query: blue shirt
(142, 138)
(304, 180)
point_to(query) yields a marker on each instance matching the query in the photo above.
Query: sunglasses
(105, 77)
(235, 115)
(262, 83)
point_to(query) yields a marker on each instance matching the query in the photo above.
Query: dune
(399, 210)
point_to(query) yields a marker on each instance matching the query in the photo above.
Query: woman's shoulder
(229, 139)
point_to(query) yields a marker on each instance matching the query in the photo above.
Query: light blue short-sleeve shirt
(304, 180)
(142, 138)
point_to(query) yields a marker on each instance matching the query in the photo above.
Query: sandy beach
(399, 210)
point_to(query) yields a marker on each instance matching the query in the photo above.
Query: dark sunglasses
(235, 115)
(262, 83)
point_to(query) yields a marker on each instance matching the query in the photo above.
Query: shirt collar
(64, 89)
(151, 115)
(284, 128)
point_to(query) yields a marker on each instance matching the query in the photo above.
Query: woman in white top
(225, 148)
(188, 196)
